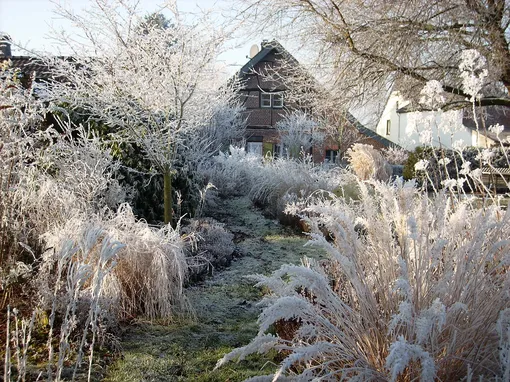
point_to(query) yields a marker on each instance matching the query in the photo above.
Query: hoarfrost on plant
(421, 165)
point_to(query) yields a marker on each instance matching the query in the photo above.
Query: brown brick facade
(261, 121)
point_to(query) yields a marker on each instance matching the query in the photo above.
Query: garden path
(225, 309)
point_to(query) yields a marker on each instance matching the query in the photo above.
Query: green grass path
(225, 310)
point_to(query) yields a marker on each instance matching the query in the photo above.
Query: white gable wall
(441, 129)
(397, 121)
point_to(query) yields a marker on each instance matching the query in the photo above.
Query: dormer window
(271, 100)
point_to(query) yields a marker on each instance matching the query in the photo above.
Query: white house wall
(395, 101)
(410, 130)
(440, 129)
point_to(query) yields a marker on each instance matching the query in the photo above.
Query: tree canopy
(154, 80)
(366, 45)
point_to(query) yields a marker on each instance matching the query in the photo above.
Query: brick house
(264, 99)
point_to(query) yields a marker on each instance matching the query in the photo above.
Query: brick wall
(261, 122)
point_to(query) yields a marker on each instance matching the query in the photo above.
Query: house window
(331, 156)
(277, 100)
(254, 148)
(255, 145)
(388, 127)
(271, 100)
(280, 151)
(277, 150)
(265, 100)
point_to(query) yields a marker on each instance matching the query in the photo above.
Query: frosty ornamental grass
(416, 284)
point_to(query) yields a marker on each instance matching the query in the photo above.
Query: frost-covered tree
(299, 132)
(155, 87)
(364, 45)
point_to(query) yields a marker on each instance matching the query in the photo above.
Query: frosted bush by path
(281, 178)
(272, 182)
(151, 268)
(416, 287)
(212, 248)
(232, 173)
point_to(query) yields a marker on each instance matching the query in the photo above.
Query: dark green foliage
(438, 172)
(413, 158)
(153, 20)
(435, 171)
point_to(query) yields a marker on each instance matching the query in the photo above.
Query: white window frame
(277, 100)
(266, 98)
(388, 127)
(271, 100)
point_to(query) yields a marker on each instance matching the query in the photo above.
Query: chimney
(5, 45)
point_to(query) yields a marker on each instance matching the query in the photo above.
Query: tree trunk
(167, 177)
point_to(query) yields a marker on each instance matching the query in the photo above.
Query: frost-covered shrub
(47, 176)
(368, 163)
(232, 173)
(395, 155)
(60, 180)
(281, 180)
(272, 182)
(415, 288)
(213, 245)
(151, 268)
(59, 183)
(281, 177)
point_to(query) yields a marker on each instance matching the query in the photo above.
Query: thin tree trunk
(167, 177)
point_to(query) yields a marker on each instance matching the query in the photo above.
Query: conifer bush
(415, 288)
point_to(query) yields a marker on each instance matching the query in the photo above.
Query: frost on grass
(415, 288)
(272, 182)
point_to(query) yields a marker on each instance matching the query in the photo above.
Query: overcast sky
(29, 23)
